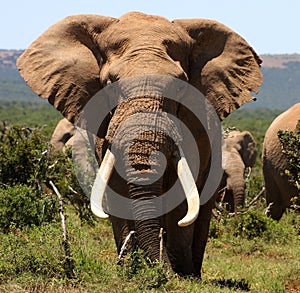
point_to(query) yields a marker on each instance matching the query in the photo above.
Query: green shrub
(20, 153)
(291, 147)
(20, 206)
(148, 274)
(26, 159)
(251, 225)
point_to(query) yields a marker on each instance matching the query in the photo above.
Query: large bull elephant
(279, 190)
(239, 152)
(80, 55)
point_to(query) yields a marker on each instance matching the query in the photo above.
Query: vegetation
(291, 147)
(31, 114)
(247, 253)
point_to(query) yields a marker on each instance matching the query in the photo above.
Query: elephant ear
(248, 149)
(63, 64)
(223, 66)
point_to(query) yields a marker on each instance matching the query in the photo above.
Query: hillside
(281, 87)
(12, 86)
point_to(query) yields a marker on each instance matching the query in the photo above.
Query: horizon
(264, 54)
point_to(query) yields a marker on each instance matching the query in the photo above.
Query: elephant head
(80, 55)
(62, 135)
(239, 152)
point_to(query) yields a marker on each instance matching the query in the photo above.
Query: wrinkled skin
(81, 54)
(239, 152)
(279, 190)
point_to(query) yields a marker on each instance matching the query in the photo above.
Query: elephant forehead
(147, 29)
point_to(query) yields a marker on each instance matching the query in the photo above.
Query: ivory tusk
(101, 181)
(190, 190)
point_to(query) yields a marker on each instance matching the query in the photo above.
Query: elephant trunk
(145, 160)
(236, 184)
(235, 169)
(147, 224)
(239, 194)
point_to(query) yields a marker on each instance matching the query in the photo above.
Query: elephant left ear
(223, 66)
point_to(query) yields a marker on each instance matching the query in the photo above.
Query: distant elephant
(239, 152)
(80, 55)
(62, 135)
(63, 138)
(279, 190)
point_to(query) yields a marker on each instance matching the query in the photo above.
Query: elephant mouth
(184, 175)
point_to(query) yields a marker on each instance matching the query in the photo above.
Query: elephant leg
(278, 194)
(273, 198)
(229, 200)
(201, 230)
(179, 241)
(121, 229)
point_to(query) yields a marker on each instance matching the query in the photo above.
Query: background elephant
(80, 55)
(239, 152)
(62, 135)
(279, 190)
(65, 136)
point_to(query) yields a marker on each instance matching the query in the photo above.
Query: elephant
(278, 189)
(82, 56)
(238, 153)
(62, 136)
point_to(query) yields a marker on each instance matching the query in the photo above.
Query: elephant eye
(112, 78)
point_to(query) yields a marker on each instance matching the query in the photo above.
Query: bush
(21, 149)
(291, 147)
(20, 206)
(26, 159)
(251, 225)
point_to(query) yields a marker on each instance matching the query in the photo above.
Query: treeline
(30, 114)
(280, 90)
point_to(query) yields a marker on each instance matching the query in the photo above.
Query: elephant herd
(238, 153)
(150, 85)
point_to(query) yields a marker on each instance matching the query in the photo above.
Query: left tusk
(190, 190)
(100, 184)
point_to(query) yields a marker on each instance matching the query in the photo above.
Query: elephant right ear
(223, 66)
(63, 64)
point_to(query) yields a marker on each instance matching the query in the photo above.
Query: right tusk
(101, 181)
(190, 190)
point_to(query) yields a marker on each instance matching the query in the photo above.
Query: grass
(32, 260)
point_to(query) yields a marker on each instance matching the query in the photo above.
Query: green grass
(32, 260)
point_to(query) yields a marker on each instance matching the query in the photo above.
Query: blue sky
(270, 26)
